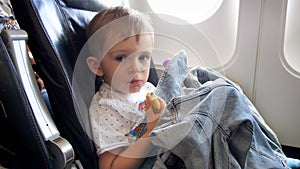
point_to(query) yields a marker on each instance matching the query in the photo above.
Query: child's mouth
(135, 81)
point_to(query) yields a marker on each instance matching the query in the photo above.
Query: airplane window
(210, 40)
(291, 47)
(192, 11)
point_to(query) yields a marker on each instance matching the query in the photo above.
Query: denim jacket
(210, 123)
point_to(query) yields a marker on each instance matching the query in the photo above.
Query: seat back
(56, 30)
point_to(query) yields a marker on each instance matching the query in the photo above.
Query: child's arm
(133, 156)
(130, 158)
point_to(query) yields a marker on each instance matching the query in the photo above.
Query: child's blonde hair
(113, 25)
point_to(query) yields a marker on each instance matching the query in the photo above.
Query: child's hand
(152, 101)
(154, 108)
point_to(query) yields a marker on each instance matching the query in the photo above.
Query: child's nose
(135, 66)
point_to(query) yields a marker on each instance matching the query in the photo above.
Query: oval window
(291, 46)
(192, 11)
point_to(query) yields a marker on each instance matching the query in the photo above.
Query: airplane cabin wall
(277, 90)
(273, 87)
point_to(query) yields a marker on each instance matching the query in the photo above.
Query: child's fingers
(147, 104)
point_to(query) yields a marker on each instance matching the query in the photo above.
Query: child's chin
(134, 89)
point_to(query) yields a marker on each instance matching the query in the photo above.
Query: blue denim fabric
(210, 123)
(46, 100)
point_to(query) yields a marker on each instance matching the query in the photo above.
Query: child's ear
(94, 66)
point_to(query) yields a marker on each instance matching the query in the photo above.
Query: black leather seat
(56, 30)
(29, 137)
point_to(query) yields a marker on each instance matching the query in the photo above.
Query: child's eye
(144, 57)
(121, 58)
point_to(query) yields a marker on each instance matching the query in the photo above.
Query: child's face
(126, 66)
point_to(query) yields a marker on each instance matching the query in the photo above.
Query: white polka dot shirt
(113, 115)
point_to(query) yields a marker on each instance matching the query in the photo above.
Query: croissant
(154, 102)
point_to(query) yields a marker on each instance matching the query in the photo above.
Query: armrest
(15, 41)
(60, 148)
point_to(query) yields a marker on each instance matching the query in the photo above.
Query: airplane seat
(29, 137)
(56, 31)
